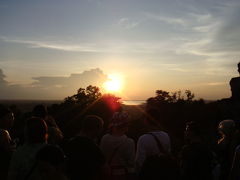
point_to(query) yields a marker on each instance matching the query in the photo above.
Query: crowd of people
(45, 154)
(115, 156)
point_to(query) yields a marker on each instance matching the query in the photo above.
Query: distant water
(133, 102)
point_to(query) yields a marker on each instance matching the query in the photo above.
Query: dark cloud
(51, 87)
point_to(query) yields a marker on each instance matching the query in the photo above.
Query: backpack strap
(159, 144)
(116, 149)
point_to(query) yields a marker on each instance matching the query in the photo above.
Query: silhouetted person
(226, 146)
(17, 131)
(6, 146)
(235, 168)
(195, 157)
(49, 165)
(84, 160)
(147, 144)
(23, 159)
(118, 149)
(6, 122)
(230, 107)
(234, 156)
(235, 86)
(54, 133)
(92, 126)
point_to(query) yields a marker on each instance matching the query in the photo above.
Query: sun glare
(113, 84)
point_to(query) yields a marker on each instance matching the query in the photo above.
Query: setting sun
(114, 84)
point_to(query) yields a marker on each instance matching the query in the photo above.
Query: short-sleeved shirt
(147, 146)
(125, 153)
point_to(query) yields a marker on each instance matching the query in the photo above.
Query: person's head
(6, 118)
(119, 123)
(40, 111)
(92, 126)
(152, 124)
(227, 127)
(192, 132)
(152, 118)
(36, 130)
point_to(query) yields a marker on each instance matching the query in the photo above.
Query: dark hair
(36, 130)
(51, 154)
(40, 111)
(194, 128)
(91, 122)
(5, 123)
(4, 111)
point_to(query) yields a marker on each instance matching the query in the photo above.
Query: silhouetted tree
(173, 110)
(84, 102)
(189, 95)
(84, 96)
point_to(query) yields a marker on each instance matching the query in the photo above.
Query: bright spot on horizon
(114, 84)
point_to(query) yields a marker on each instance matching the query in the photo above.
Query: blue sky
(154, 44)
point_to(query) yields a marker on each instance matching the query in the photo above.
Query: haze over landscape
(49, 49)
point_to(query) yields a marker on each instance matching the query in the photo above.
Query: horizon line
(59, 100)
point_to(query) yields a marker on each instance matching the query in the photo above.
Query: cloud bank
(45, 87)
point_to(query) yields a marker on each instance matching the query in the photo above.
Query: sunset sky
(50, 48)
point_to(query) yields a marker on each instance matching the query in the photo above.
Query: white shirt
(147, 146)
(125, 153)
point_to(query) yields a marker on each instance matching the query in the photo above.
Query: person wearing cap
(119, 149)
